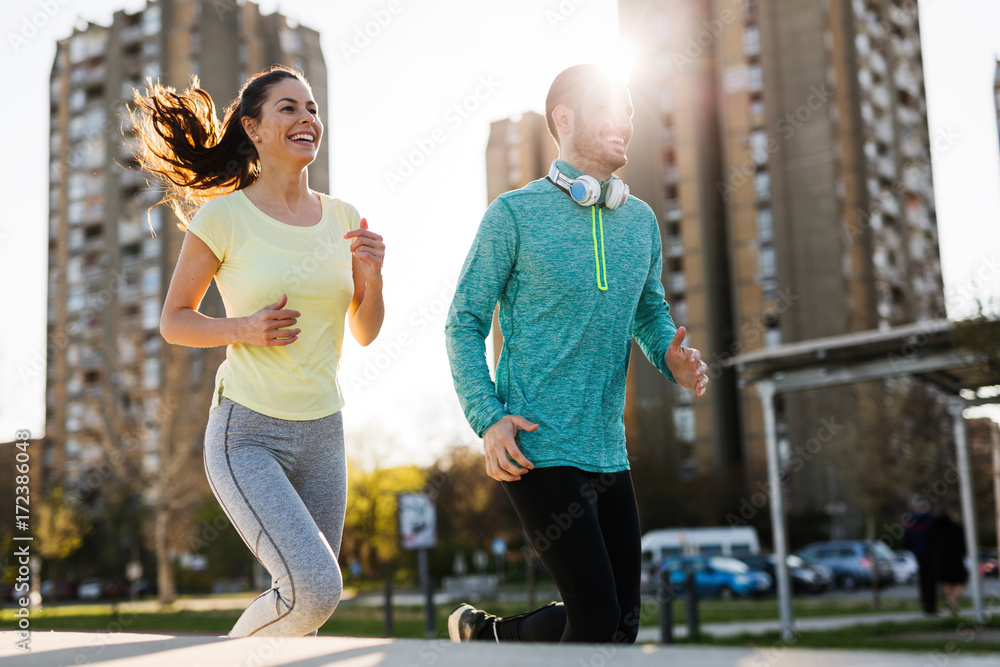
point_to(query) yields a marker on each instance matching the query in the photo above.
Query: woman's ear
(249, 126)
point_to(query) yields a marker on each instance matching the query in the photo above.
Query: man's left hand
(686, 365)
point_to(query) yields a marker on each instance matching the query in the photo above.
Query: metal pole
(387, 619)
(765, 389)
(691, 604)
(665, 594)
(995, 432)
(955, 407)
(425, 581)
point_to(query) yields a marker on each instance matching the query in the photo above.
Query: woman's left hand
(369, 251)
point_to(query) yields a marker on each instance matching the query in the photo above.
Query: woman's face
(289, 128)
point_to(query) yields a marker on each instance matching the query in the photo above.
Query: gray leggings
(283, 484)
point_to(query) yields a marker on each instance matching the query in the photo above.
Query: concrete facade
(784, 146)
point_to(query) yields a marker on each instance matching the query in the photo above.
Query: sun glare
(620, 60)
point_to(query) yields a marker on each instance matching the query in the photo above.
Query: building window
(151, 374)
(151, 313)
(751, 40)
(756, 110)
(758, 146)
(151, 21)
(772, 337)
(765, 224)
(756, 83)
(679, 310)
(762, 185)
(684, 424)
(151, 280)
(765, 261)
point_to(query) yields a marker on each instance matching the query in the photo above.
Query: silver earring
(257, 138)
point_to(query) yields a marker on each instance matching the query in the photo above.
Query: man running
(575, 264)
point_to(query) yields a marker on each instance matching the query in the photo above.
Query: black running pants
(585, 528)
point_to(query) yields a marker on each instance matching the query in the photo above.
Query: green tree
(371, 525)
(59, 527)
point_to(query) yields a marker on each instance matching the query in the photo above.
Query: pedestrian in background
(917, 539)
(948, 542)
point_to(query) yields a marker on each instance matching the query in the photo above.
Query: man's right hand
(500, 447)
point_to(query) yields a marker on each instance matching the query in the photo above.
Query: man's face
(603, 126)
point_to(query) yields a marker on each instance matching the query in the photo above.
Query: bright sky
(435, 76)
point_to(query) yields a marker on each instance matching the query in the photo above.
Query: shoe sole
(455, 623)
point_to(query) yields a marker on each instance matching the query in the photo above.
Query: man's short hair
(573, 84)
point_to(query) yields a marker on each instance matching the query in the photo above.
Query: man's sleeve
(480, 284)
(653, 327)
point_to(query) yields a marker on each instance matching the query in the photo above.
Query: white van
(658, 545)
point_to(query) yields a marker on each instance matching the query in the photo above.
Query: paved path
(58, 649)
(805, 624)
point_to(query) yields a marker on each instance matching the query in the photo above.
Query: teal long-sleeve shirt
(566, 342)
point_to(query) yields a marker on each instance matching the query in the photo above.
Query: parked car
(852, 561)
(61, 590)
(904, 566)
(717, 576)
(90, 589)
(805, 577)
(659, 545)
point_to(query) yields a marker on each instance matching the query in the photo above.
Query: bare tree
(892, 444)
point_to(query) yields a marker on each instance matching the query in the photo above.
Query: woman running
(290, 264)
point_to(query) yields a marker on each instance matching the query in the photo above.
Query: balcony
(132, 33)
(129, 231)
(133, 179)
(672, 209)
(885, 165)
(92, 274)
(675, 248)
(880, 97)
(877, 63)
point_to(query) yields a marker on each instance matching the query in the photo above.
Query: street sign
(417, 521)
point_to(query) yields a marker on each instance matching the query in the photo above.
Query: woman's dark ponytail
(192, 155)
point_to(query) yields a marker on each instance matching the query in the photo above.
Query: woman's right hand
(265, 327)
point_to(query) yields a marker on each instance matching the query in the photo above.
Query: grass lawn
(940, 636)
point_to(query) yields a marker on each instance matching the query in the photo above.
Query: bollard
(665, 594)
(387, 619)
(691, 605)
(428, 586)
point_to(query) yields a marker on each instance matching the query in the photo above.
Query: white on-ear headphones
(586, 190)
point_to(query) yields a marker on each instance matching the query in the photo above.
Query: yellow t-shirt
(263, 258)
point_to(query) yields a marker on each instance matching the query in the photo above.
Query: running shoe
(466, 622)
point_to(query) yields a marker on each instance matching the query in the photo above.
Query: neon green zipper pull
(599, 263)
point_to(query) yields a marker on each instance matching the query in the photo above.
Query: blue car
(717, 576)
